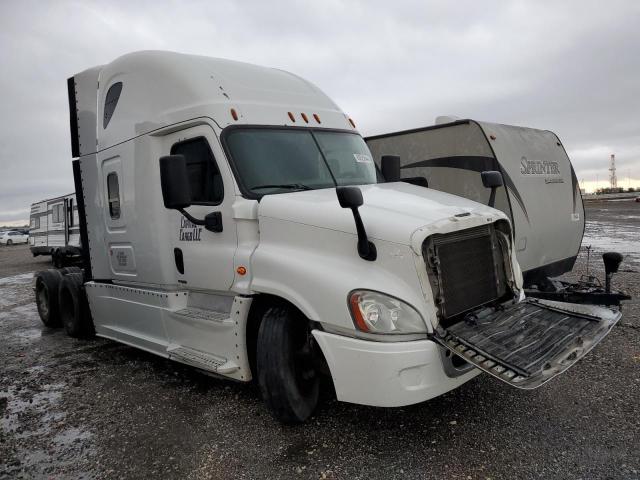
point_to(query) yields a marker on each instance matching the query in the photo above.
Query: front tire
(287, 377)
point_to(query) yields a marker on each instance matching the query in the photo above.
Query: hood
(391, 211)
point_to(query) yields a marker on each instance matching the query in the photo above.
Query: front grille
(465, 269)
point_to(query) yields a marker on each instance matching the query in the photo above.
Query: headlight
(375, 312)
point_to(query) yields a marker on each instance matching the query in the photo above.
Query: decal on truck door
(189, 231)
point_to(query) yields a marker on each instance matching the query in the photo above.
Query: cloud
(570, 67)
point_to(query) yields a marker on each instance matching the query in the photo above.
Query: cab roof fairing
(165, 88)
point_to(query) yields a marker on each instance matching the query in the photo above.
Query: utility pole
(613, 179)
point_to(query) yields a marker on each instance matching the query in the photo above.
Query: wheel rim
(43, 301)
(303, 363)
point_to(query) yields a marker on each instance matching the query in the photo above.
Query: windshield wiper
(288, 186)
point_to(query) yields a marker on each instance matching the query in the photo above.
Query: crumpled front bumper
(387, 374)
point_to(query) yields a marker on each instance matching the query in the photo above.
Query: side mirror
(213, 222)
(351, 197)
(176, 191)
(174, 180)
(492, 179)
(390, 166)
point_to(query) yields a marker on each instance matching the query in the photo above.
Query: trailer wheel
(56, 259)
(74, 307)
(286, 373)
(47, 289)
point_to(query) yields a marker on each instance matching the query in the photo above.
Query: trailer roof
(55, 198)
(160, 88)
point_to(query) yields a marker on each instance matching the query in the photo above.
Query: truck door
(203, 259)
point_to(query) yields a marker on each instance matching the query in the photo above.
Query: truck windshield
(279, 160)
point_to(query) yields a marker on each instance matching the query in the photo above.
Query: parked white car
(12, 237)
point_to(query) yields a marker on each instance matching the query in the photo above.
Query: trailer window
(204, 175)
(35, 222)
(113, 195)
(56, 213)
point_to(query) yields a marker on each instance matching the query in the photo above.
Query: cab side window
(204, 175)
(113, 195)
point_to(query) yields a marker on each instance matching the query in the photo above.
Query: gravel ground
(97, 409)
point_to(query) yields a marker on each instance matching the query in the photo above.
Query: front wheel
(287, 376)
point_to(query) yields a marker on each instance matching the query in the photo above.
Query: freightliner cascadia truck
(232, 218)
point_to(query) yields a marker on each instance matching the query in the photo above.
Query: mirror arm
(192, 219)
(366, 249)
(492, 197)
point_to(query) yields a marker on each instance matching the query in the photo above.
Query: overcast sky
(571, 67)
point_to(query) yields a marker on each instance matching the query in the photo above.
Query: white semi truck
(234, 220)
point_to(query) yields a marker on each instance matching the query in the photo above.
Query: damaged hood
(391, 211)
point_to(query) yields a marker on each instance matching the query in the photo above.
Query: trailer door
(56, 224)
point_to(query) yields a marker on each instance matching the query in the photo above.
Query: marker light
(293, 119)
(304, 117)
(375, 312)
(234, 114)
(241, 270)
(352, 123)
(317, 117)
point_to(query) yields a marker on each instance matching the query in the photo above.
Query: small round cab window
(110, 102)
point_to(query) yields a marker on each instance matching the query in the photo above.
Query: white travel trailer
(541, 195)
(55, 228)
(235, 221)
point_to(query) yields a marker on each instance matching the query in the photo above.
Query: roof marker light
(317, 117)
(352, 123)
(293, 119)
(304, 117)
(234, 114)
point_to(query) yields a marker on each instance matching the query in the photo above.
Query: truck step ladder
(198, 359)
(203, 314)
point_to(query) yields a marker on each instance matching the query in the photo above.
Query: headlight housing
(375, 312)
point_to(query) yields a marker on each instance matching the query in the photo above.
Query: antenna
(613, 179)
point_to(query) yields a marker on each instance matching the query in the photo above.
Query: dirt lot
(97, 409)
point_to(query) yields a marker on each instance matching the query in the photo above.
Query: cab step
(204, 314)
(202, 360)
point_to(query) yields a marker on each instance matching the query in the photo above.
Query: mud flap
(529, 343)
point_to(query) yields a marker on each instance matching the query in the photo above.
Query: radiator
(465, 269)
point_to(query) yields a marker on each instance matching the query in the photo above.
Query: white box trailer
(55, 228)
(234, 220)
